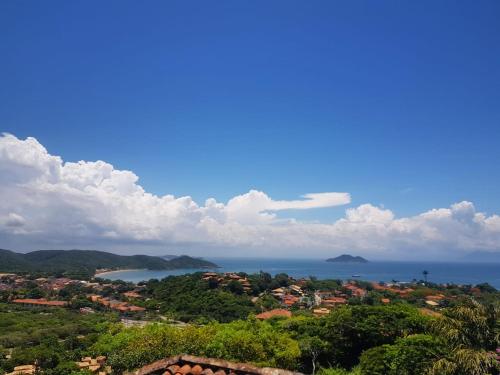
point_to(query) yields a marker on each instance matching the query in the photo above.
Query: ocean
(459, 273)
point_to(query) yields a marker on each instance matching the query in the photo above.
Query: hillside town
(175, 302)
(129, 299)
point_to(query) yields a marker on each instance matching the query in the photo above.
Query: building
(187, 364)
(23, 370)
(334, 301)
(355, 290)
(272, 313)
(132, 295)
(289, 300)
(97, 364)
(322, 311)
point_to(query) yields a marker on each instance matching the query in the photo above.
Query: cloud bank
(46, 202)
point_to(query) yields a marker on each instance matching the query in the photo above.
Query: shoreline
(97, 274)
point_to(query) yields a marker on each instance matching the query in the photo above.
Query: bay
(439, 272)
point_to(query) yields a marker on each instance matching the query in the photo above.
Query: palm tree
(425, 273)
(469, 332)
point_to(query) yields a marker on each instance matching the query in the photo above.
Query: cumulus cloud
(46, 201)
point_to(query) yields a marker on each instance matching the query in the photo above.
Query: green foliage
(254, 340)
(315, 284)
(267, 302)
(53, 337)
(189, 298)
(244, 341)
(235, 287)
(411, 355)
(374, 361)
(471, 332)
(339, 371)
(394, 339)
(351, 330)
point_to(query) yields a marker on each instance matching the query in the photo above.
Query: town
(175, 301)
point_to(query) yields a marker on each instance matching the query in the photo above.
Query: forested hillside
(88, 261)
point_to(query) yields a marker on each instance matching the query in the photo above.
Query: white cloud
(46, 202)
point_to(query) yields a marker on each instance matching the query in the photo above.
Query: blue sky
(395, 102)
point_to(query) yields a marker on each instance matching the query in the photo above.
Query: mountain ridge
(75, 260)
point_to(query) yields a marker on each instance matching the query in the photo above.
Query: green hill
(62, 261)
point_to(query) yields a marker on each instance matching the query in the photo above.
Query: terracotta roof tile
(173, 369)
(187, 364)
(186, 369)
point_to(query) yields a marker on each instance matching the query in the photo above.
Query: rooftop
(40, 301)
(272, 313)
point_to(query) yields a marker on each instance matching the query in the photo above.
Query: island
(346, 258)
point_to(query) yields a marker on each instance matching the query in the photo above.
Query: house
(94, 365)
(23, 370)
(432, 303)
(187, 364)
(385, 300)
(272, 313)
(131, 295)
(437, 297)
(322, 311)
(289, 300)
(355, 290)
(133, 308)
(297, 289)
(334, 301)
(94, 297)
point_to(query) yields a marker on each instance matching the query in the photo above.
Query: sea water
(458, 273)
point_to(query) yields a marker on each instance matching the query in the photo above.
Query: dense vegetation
(54, 338)
(87, 261)
(365, 337)
(189, 298)
(371, 340)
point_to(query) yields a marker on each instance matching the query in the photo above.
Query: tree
(374, 361)
(411, 355)
(425, 273)
(313, 347)
(235, 287)
(414, 354)
(471, 333)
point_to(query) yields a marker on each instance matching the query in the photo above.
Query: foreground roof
(190, 365)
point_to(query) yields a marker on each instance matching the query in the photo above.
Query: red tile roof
(334, 300)
(187, 365)
(273, 313)
(40, 302)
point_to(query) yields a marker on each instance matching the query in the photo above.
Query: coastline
(440, 272)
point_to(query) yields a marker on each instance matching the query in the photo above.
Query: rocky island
(346, 258)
